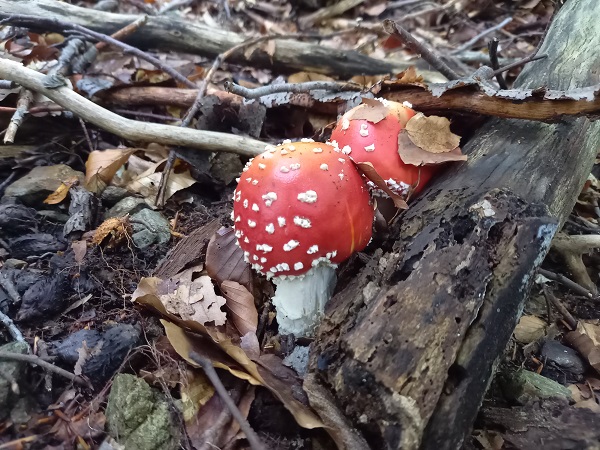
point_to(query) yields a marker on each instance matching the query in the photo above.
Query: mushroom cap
(300, 205)
(377, 143)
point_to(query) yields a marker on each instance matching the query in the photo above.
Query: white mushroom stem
(300, 301)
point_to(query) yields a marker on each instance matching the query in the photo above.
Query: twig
(571, 248)
(467, 45)
(295, 88)
(560, 307)
(33, 359)
(172, 5)
(328, 12)
(413, 44)
(26, 20)
(124, 32)
(11, 327)
(7, 84)
(567, 282)
(211, 373)
(401, 3)
(521, 62)
(125, 128)
(25, 99)
(493, 51)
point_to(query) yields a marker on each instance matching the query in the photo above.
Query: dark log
(409, 345)
(166, 33)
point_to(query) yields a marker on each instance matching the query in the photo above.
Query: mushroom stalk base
(300, 301)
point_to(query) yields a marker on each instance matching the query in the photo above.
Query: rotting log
(166, 33)
(409, 345)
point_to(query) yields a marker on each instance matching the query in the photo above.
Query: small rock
(523, 386)
(563, 357)
(53, 216)
(138, 416)
(107, 350)
(298, 359)
(129, 205)
(40, 182)
(12, 371)
(16, 219)
(13, 263)
(149, 227)
(112, 195)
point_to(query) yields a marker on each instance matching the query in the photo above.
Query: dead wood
(409, 345)
(165, 33)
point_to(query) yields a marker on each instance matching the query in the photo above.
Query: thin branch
(493, 52)
(521, 62)
(577, 288)
(26, 20)
(336, 9)
(124, 32)
(560, 308)
(33, 359)
(413, 44)
(25, 99)
(471, 42)
(295, 88)
(211, 373)
(129, 129)
(11, 327)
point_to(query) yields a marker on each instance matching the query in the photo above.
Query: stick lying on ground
(129, 129)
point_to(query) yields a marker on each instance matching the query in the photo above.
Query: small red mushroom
(299, 210)
(377, 143)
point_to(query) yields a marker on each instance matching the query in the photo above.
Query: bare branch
(295, 88)
(11, 327)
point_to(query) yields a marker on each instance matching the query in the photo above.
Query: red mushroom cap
(377, 143)
(299, 205)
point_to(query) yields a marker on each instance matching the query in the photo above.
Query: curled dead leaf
(529, 329)
(240, 303)
(61, 192)
(370, 110)
(225, 260)
(432, 133)
(102, 165)
(411, 154)
(112, 232)
(586, 340)
(369, 171)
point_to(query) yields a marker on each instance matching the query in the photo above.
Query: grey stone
(54, 216)
(112, 195)
(149, 227)
(298, 359)
(13, 263)
(138, 416)
(40, 182)
(129, 205)
(523, 386)
(12, 371)
(226, 167)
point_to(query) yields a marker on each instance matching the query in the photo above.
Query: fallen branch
(25, 99)
(129, 129)
(577, 288)
(294, 88)
(11, 327)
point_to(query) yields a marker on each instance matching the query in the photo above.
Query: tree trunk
(409, 345)
(166, 33)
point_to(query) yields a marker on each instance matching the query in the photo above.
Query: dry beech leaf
(192, 297)
(586, 340)
(79, 250)
(146, 184)
(303, 77)
(240, 303)
(529, 329)
(370, 110)
(268, 47)
(368, 80)
(432, 133)
(369, 171)
(408, 76)
(281, 385)
(61, 192)
(102, 165)
(225, 260)
(411, 154)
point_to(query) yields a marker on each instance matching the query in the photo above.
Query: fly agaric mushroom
(299, 210)
(369, 134)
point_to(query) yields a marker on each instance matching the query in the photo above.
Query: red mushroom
(369, 133)
(299, 210)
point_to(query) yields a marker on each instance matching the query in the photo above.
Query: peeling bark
(409, 345)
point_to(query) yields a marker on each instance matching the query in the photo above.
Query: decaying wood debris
(409, 345)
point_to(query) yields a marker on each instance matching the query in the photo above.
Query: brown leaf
(147, 183)
(79, 250)
(61, 192)
(586, 340)
(370, 110)
(112, 231)
(302, 77)
(102, 165)
(369, 171)
(529, 329)
(240, 304)
(408, 76)
(432, 133)
(225, 259)
(196, 391)
(411, 154)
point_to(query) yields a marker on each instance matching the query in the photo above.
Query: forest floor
(98, 349)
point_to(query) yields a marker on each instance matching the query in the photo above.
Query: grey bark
(409, 345)
(166, 33)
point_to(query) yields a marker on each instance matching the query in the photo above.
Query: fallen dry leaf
(529, 329)
(61, 192)
(432, 133)
(192, 297)
(102, 165)
(586, 340)
(369, 171)
(408, 76)
(303, 77)
(225, 259)
(112, 232)
(147, 183)
(196, 391)
(240, 303)
(411, 154)
(79, 250)
(370, 110)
